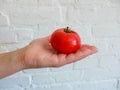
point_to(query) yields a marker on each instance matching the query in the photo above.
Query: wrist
(17, 59)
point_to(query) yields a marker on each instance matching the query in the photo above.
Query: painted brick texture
(96, 21)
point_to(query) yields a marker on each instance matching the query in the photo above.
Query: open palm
(39, 53)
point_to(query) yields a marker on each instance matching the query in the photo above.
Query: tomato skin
(65, 42)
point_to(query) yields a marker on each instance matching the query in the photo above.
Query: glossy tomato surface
(65, 41)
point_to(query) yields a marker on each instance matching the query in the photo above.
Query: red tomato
(65, 40)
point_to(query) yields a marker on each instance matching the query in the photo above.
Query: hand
(39, 54)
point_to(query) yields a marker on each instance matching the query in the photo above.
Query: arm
(11, 62)
(39, 54)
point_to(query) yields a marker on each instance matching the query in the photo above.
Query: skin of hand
(39, 54)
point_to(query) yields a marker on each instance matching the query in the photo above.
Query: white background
(96, 21)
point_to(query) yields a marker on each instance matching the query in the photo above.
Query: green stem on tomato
(67, 30)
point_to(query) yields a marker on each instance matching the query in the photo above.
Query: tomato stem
(67, 30)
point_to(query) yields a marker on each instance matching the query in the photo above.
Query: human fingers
(85, 51)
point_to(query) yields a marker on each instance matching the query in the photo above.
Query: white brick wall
(97, 22)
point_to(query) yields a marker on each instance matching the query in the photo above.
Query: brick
(81, 15)
(32, 13)
(15, 88)
(106, 30)
(91, 14)
(118, 21)
(36, 71)
(111, 46)
(3, 19)
(96, 85)
(7, 36)
(106, 16)
(12, 82)
(67, 76)
(66, 2)
(113, 3)
(85, 2)
(45, 3)
(118, 85)
(96, 74)
(13, 46)
(44, 30)
(24, 34)
(25, 3)
(52, 87)
(84, 32)
(56, 77)
(114, 46)
(108, 61)
(89, 62)
(68, 67)
(42, 79)
(36, 16)
(18, 3)
(96, 21)
(103, 47)
(91, 4)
